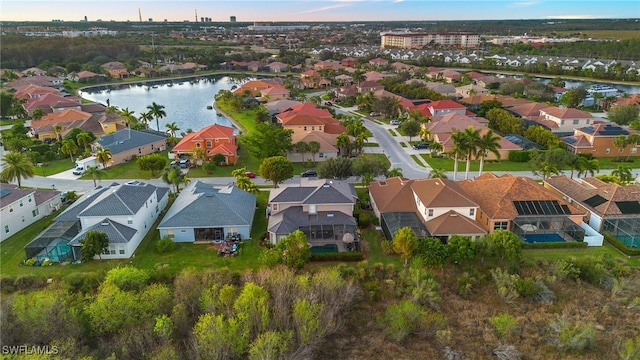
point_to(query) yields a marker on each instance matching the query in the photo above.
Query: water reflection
(185, 100)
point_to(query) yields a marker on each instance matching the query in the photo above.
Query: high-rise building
(232, 19)
(407, 40)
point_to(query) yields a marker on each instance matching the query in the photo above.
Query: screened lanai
(626, 230)
(547, 229)
(53, 242)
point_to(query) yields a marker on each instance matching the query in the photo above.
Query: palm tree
(394, 172)
(344, 144)
(435, 149)
(16, 167)
(620, 142)
(584, 166)
(145, 117)
(301, 148)
(244, 183)
(69, 147)
(633, 140)
(438, 174)
(472, 139)
(548, 170)
(239, 172)
(157, 111)
(488, 144)
(367, 178)
(623, 173)
(459, 149)
(95, 173)
(83, 139)
(314, 148)
(424, 134)
(38, 114)
(199, 155)
(128, 116)
(103, 156)
(58, 130)
(172, 129)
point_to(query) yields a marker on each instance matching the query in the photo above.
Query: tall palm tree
(199, 155)
(424, 134)
(459, 149)
(438, 174)
(58, 130)
(16, 166)
(435, 148)
(83, 139)
(103, 155)
(95, 174)
(172, 129)
(472, 139)
(301, 148)
(128, 116)
(157, 111)
(488, 143)
(633, 140)
(38, 114)
(144, 118)
(548, 170)
(586, 166)
(620, 142)
(69, 147)
(314, 148)
(344, 144)
(244, 183)
(623, 173)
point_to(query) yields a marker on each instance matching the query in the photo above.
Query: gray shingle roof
(294, 217)
(127, 139)
(293, 194)
(116, 232)
(202, 205)
(317, 192)
(123, 200)
(71, 213)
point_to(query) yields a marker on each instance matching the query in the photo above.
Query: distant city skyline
(309, 10)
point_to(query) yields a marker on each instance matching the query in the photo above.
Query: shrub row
(338, 256)
(616, 243)
(555, 245)
(519, 155)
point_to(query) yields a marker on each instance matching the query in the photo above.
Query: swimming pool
(329, 248)
(543, 238)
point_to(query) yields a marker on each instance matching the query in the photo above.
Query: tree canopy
(276, 169)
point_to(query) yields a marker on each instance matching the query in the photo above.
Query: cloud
(524, 3)
(324, 8)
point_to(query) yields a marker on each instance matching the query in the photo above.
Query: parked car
(250, 175)
(185, 163)
(78, 170)
(309, 173)
(394, 122)
(328, 103)
(419, 146)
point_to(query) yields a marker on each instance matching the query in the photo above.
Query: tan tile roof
(567, 113)
(441, 193)
(451, 122)
(452, 222)
(393, 194)
(590, 187)
(529, 111)
(496, 195)
(327, 141)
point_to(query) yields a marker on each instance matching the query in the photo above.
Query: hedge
(555, 245)
(616, 243)
(519, 155)
(338, 256)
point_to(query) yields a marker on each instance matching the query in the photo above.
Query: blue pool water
(541, 238)
(324, 249)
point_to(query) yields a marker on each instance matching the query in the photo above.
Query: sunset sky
(312, 10)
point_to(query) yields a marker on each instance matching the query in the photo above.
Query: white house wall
(14, 217)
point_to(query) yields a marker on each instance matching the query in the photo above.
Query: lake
(185, 100)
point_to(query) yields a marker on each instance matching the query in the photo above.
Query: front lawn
(54, 167)
(502, 165)
(128, 170)
(610, 163)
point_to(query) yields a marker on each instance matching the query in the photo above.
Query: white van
(78, 170)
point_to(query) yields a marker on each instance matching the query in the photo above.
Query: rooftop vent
(104, 223)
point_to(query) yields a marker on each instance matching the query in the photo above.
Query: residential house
(473, 102)
(378, 62)
(441, 107)
(444, 89)
(609, 207)
(327, 141)
(127, 144)
(57, 125)
(51, 103)
(34, 91)
(214, 139)
(470, 90)
(344, 79)
(633, 99)
(373, 76)
(274, 93)
(431, 207)
(124, 212)
(521, 205)
(369, 86)
(203, 213)
(322, 209)
(349, 62)
(116, 69)
(598, 140)
(312, 79)
(565, 119)
(49, 81)
(254, 66)
(277, 67)
(529, 111)
(253, 87)
(20, 208)
(306, 117)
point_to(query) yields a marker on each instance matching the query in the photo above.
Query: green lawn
(128, 170)
(415, 158)
(54, 167)
(371, 144)
(393, 133)
(502, 165)
(375, 255)
(595, 252)
(609, 163)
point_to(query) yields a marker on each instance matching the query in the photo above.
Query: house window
(576, 121)
(209, 143)
(321, 155)
(121, 250)
(274, 207)
(216, 140)
(10, 208)
(500, 225)
(198, 145)
(22, 218)
(29, 198)
(232, 230)
(430, 212)
(170, 233)
(129, 220)
(305, 128)
(472, 212)
(313, 128)
(139, 151)
(608, 150)
(6, 229)
(588, 121)
(21, 203)
(35, 212)
(634, 150)
(561, 122)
